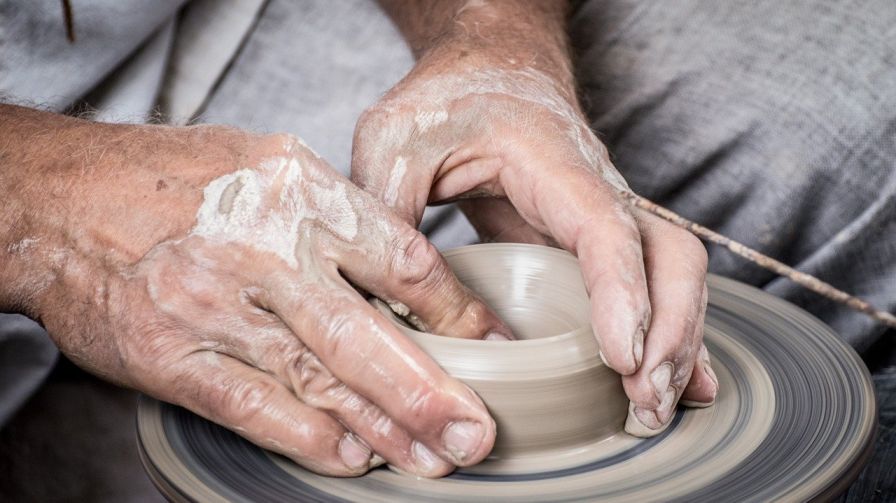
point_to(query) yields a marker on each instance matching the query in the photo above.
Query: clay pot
(548, 391)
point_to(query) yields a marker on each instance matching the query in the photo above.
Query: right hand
(512, 146)
(213, 269)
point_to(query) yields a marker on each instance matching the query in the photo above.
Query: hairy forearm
(58, 172)
(29, 144)
(506, 33)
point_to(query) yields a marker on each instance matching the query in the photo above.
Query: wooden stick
(811, 282)
(69, 20)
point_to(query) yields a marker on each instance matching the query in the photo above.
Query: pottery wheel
(795, 420)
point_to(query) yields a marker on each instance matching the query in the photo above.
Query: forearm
(30, 145)
(58, 172)
(504, 33)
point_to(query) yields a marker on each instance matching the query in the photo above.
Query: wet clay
(548, 391)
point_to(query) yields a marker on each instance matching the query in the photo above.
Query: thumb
(413, 277)
(395, 161)
(395, 262)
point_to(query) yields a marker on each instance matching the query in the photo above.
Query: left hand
(511, 144)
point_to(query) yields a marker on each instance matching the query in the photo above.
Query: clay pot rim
(546, 357)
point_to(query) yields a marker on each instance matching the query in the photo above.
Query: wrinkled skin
(510, 143)
(210, 268)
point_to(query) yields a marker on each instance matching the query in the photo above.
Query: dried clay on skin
(240, 207)
(522, 84)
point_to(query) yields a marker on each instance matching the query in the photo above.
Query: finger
(497, 221)
(379, 168)
(398, 158)
(286, 358)
(585, 217)
(395, 161)
(703, 387)
(263, 411)
(373, 358)
(613, 269)
(399, 265)
(676, 270)
(318, 387)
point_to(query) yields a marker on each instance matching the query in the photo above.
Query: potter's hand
(211, 268)
(489, 116)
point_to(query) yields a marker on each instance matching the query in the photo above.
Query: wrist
(67, 185)
(453, 36)
(23, 231)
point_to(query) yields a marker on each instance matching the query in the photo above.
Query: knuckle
(478, 314)
(380, 424)
(313, 382)
(414, 260)
(379, 132)
(288, 138)
(336, 341)
(690, 247)
(153, 347)
(694, 248)
(243, 401)
(424, 406)
(370, 125)
(370, 116)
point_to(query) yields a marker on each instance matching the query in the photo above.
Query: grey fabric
(209, 34)
(771, 122)
(128, 95)
(26, 356)
(38, 65)
(74, 441)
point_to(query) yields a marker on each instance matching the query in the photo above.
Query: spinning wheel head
(794, 419)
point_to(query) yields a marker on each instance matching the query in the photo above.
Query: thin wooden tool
(806, 280)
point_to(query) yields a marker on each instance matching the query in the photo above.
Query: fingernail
(667, 406)
(695, 404)
(603, 358)
(648, 422)
(707, 367)
(426, 460)
(495, 336)
(638, 347)
(661, 377)
(643, 422)
(647, 418)
(354, 454)
(710, 373)
(461, 439)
